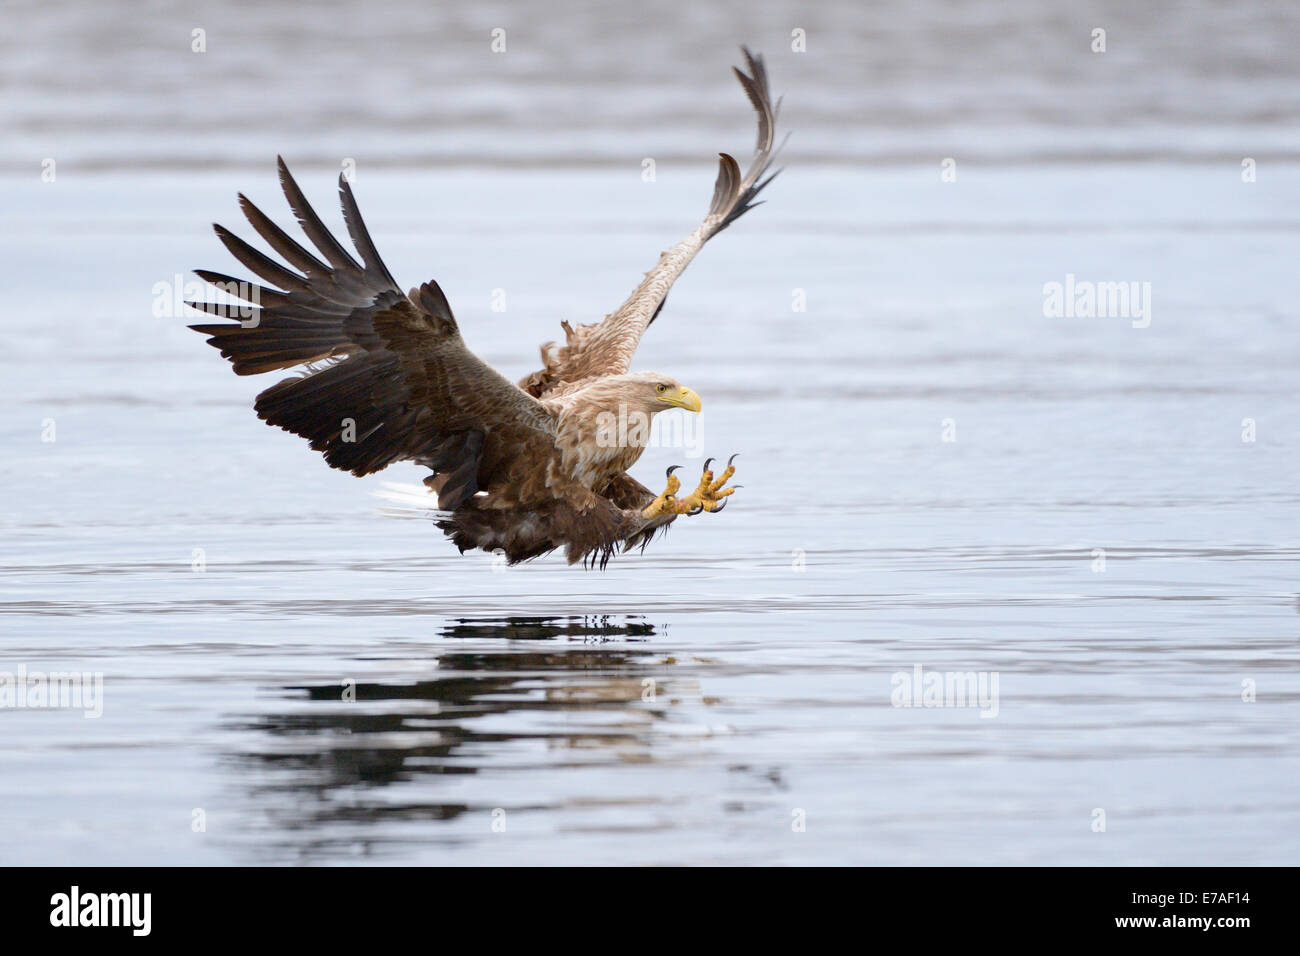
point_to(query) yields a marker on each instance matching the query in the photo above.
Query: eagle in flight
(520, 469)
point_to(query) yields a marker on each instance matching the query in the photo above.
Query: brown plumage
(521, 469)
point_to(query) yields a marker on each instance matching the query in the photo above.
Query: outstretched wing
(388, 377)
(606, 348)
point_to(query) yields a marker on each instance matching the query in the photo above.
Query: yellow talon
(726, 477)
(708, 494)
(666, 503)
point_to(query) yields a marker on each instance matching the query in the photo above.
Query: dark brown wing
(606, 348)
(396, 380)
(322, 310)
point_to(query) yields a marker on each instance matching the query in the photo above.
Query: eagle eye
(661, 388)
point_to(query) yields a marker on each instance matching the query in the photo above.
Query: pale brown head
(651, 393)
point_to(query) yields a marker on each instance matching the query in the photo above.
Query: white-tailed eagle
(518, 468)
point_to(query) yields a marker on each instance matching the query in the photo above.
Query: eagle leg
(666, 503)
(708, 495)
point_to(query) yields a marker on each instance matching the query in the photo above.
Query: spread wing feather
(389, 377)
(606, 348)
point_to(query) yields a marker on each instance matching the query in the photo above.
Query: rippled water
(1097, 536)
(684, 705)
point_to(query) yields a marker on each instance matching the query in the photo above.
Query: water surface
(329, 684)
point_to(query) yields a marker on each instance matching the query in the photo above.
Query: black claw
(735, 487)
(669, 473)
(732, 458)
(707, 462)
(694, 511)
(720, 507)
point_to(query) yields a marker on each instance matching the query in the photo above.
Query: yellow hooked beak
(681, 397)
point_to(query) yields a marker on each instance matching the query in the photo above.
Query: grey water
(1094, 515)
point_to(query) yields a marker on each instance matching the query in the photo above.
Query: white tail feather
(407, 501)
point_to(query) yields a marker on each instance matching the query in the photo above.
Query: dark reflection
(336, 758)
(603, 627)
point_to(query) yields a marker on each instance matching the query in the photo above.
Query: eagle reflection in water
(344, 750)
